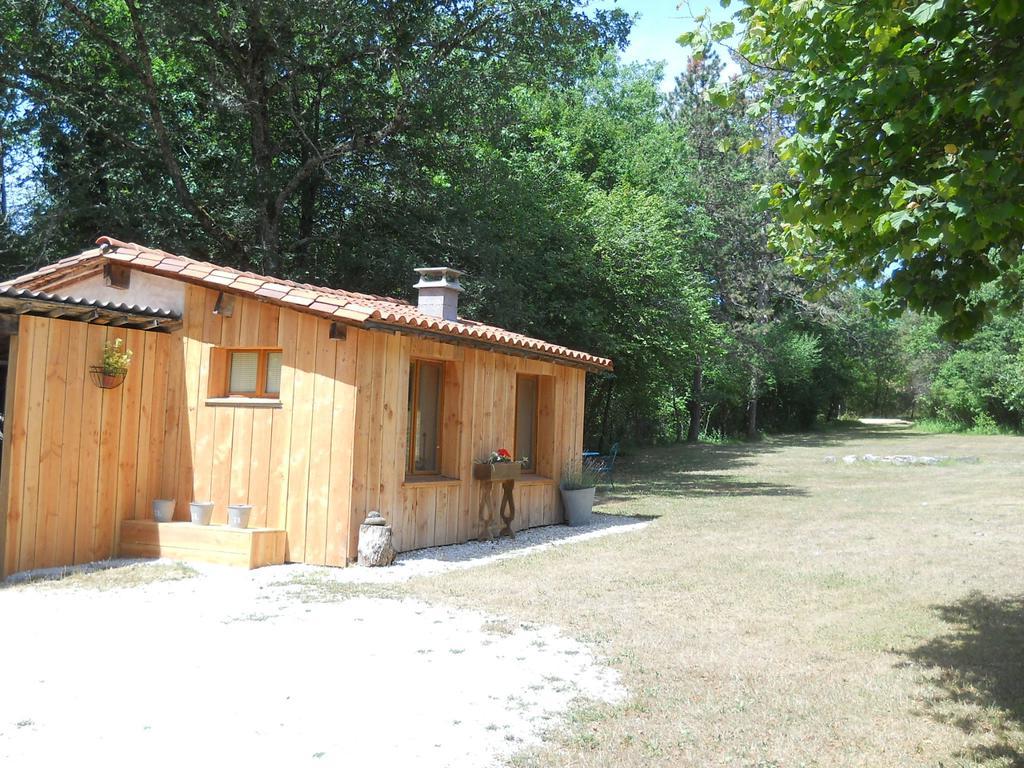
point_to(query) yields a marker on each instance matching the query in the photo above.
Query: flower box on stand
(505, 470)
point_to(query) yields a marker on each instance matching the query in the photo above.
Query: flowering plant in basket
(116, 358)
(499, 465)
(500, 456)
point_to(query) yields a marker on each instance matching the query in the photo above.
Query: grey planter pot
(579, 506)
(238, 515)
(201, 512)
(163, 510)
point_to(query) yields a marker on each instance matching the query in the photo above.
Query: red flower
(504, 453)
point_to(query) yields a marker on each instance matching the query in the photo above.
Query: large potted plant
(578, 486)
(498, 466)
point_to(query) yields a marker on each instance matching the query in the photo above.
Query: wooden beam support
(9, 325)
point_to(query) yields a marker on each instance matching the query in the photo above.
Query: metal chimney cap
(439, 277)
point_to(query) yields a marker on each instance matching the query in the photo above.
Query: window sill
(443, 480)
(430, 480)
(243, 402)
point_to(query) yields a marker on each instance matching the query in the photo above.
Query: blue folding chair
(605, 465)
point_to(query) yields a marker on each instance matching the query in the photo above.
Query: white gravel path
(231, 667)
(437, 560)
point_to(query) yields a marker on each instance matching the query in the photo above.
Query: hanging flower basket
(114, 368)
(105, 379)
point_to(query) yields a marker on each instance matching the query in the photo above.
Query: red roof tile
(354, 307)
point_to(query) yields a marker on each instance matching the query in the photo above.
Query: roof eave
(605, 366)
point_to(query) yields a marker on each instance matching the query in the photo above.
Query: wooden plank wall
(111, 452)
(479, 416)
(293, 463)
(78, 459)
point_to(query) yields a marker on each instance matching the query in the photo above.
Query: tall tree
(754, 291)
(906, 155)
(258, 129)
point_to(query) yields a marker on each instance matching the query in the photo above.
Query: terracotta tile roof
(348, 306)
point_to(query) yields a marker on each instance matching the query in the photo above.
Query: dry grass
(103, 575)
(784, 611)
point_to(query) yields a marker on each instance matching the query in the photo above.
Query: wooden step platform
(246, 547)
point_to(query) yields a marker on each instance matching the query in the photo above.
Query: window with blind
(254, 373)
(526, 421)
(426, 384)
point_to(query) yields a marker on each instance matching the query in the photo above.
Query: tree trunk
(269, 240)
(3, 177)
(677, 417)
(833, 410)
(695, 405)
(604, 418)
(752, 408)
(310, 190)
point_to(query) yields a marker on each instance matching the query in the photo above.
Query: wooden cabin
(314, 405)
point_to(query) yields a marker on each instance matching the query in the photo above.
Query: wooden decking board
(245, 547)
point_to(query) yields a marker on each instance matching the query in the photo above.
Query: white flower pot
(238, 515)
(163, 510)
(579, 505)
(201, 512)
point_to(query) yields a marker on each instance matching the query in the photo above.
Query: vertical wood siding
(293, 463)
(78, 460)
(478, 417)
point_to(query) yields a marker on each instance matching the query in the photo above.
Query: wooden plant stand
(489, 474)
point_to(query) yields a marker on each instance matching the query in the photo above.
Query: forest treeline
(345, 143)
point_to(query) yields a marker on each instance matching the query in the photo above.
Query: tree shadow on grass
(708, 469)
(978, 668)
(688, 484)
(694, 471)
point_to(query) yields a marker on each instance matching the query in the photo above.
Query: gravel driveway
(236, 667)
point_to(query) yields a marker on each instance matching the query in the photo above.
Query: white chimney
(439, 291)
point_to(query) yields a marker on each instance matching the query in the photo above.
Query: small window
(526, 421)
(273, 386)
(254, 373)
(426, 380)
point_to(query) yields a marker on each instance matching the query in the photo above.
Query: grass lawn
(786, 611)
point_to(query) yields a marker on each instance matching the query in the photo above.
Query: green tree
(601, 156)
(264, 130)
(755, 293)
(905, 143)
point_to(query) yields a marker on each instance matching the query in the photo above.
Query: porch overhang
(21, 301)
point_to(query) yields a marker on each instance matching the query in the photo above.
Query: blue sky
(658, 25)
